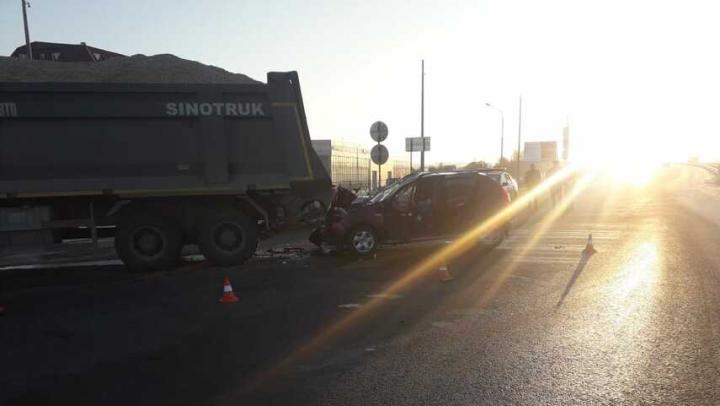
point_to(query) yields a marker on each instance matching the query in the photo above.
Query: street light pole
(422, 117)
(519, 135)
(502, 130)
(27, 31)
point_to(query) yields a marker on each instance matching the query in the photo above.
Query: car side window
(401, 200)
(458, 192)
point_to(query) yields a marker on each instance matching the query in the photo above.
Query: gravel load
(164, 68)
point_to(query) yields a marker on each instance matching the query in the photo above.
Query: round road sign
(379, 131)
(379, 154)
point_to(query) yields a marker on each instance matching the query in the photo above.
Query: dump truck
(160, 165)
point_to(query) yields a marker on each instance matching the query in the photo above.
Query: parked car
(423, 206)
(504, 179)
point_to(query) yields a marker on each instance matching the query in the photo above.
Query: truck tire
(147, 242)
(227, 237)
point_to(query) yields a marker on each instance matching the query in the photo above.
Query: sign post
(417, 144)
(379, 154)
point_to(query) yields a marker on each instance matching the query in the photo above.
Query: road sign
(378, 131)
(540, 151)
(415, 144)
(379, 154)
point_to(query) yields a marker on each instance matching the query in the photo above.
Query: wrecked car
(422, 207)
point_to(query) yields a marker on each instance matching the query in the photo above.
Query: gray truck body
(86, 154)
(62, 139)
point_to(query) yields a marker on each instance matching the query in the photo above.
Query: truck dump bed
(68, 139)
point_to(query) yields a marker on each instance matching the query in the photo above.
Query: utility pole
(502, 130)
(27, 32)
(502, 136)
(422, 117)
(519, 136)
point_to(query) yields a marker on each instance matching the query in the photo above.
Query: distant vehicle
(504, 179)
(424, 206)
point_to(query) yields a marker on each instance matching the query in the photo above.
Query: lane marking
(108, 262)
(385, 296)
(546, 260)
(349, 306)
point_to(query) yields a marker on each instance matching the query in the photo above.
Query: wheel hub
(148, 242)
(363, 241)
(228, 237)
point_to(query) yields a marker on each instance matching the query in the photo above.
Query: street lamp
(502, 129)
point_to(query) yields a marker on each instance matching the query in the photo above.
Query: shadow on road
(576, 274)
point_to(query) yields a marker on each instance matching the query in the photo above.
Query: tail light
(507, 195)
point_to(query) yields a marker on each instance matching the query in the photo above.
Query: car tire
(363, 241)
(147, 242)
(313, 213)
(227, 237)
(493, 239)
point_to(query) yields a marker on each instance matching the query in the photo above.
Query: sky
(634, 79)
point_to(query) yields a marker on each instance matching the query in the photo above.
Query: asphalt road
(533, 322)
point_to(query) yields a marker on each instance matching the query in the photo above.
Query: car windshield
(493, 175)
(387, 191)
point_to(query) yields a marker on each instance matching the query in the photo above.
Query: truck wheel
(147, 242)
(227, 237)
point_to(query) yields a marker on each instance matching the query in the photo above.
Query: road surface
(533, 322)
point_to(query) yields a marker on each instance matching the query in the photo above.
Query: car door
(425, 222)
(397, 214)
(457, 201)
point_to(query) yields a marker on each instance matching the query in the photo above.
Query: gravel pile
(164, 68)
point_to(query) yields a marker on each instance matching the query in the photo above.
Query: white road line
(349, 306)
(385, 296)
(546, 260)
(109, 262)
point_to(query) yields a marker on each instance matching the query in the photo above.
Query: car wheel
(147, 242)
(227, 237)
(363, 241)
(493, 239)
(313, 213)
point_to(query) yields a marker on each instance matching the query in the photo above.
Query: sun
(624, 165)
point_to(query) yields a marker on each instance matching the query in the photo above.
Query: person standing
(556, 190)
(532, 180)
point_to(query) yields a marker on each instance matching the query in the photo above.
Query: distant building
(50, 51)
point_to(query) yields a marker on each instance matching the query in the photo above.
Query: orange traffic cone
(589, 249)
(443, 274)
(228, 295)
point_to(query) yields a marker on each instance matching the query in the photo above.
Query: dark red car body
(423, 206)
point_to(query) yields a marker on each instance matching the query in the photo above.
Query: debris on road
(285, 253)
